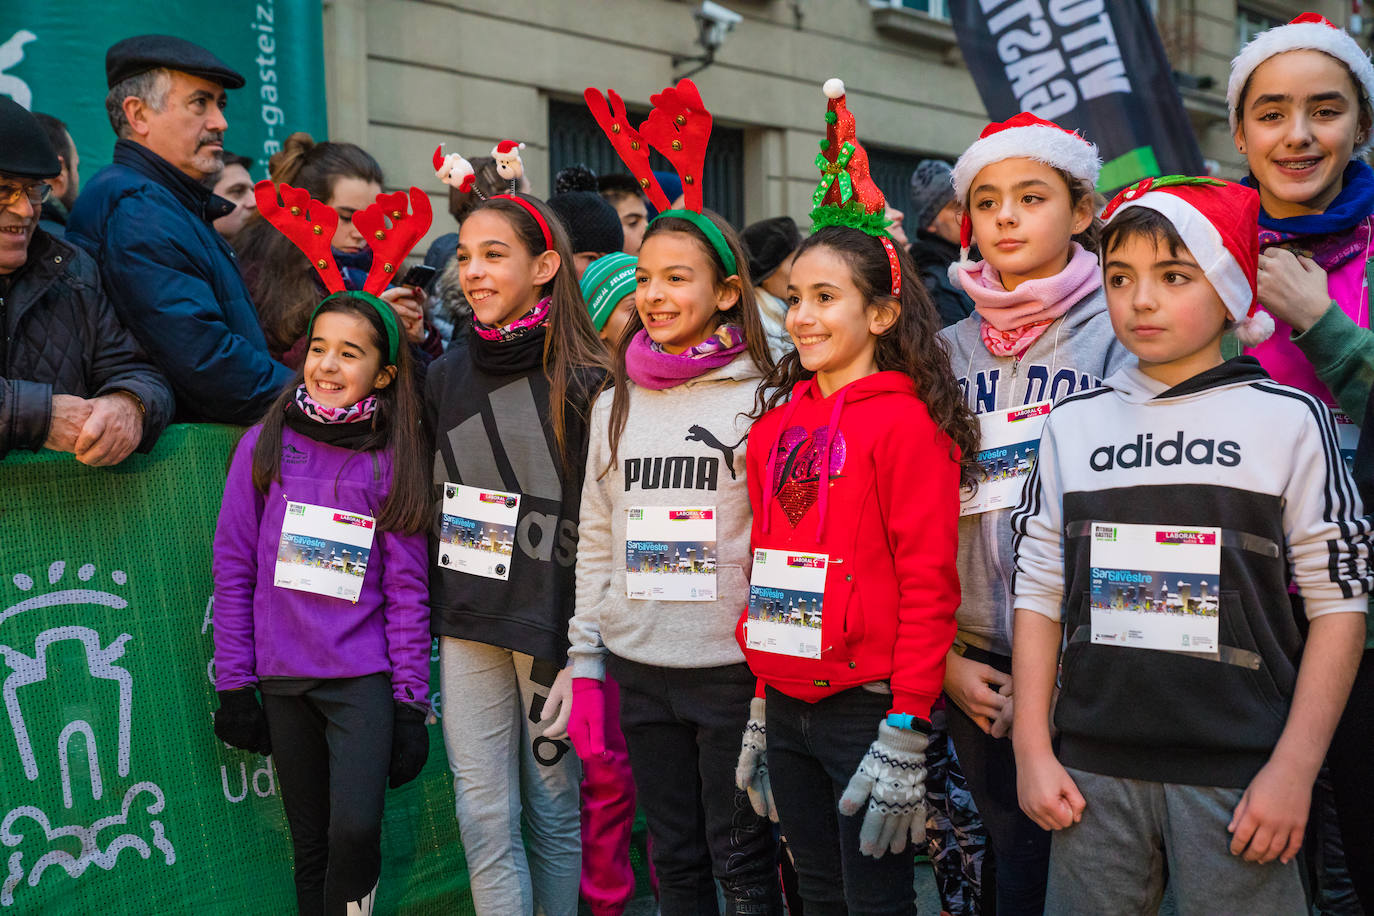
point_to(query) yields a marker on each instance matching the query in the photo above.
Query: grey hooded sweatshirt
(1074, 353)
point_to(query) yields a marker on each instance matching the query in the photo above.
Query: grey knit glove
(751, 773)
(892, 778)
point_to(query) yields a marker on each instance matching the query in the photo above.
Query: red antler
(630, 146)
(679, 127)
(390, 245)
(308, 223)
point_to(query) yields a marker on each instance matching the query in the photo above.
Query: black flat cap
(142, 53)
(24, 148)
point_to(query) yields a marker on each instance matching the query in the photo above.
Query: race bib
(1347, 435)
(670, 553)
(1156, 587)
(478, 530)
(1010, 441)
(786, 598)
(324, 551)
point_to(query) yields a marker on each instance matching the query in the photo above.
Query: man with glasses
(72, 378)
(147, 218)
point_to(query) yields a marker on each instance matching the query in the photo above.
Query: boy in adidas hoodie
(1156, 539)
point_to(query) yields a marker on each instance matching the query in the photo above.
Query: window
(1250, 23)
(935, 9)
(891, 171)
(575, 137)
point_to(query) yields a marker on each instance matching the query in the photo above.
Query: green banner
(52, 59)
(115, 796)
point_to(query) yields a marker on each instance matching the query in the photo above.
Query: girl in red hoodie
(854, 483)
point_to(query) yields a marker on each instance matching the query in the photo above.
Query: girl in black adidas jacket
(508, 407)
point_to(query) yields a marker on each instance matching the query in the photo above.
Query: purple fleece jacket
(262, 631)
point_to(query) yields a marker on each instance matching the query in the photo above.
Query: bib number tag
(1011, 440)
(1156, 587)
(786, 598)
(670, 553)
(478, 531)
(324, 551)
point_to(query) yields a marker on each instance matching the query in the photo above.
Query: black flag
(1094, 66)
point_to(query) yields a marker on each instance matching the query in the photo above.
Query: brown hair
(571, 343)
(911, 346)
(280, 279)
(744, 313)
(487, 180)
(1141, 222)
(395, 425)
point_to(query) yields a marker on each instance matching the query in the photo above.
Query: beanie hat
(605, 282)
(1308, 32)
(26, 152)
(931, 189)
(592, 224)
(1216, 220)
(1022, 136)
(768, 243)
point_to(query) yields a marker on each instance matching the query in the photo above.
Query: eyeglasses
(36, 193)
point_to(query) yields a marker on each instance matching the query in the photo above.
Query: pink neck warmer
(1014, 319)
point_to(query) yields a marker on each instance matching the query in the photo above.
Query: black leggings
(332, 748)
(1349, 760)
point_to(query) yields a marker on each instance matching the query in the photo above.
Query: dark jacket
(175, 283)
(487, 406)
(62, 337)
(933, 255)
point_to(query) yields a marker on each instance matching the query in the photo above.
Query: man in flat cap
(148, 220)
(72, 378)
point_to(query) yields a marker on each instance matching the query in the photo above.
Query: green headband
(712, 233)
(384, 311)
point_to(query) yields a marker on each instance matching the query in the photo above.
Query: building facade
(406, 75)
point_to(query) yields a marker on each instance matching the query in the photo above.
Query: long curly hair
(911, 346)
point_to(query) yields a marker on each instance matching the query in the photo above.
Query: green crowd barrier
(115, 795)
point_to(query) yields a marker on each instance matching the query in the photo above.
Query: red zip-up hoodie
(889, 522)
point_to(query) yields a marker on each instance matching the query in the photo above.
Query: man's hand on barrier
(111, 432)
(69, 415)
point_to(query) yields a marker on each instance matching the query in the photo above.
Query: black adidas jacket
(487, 409)
(1228, 449)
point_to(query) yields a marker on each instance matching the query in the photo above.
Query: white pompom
(1256, 329)
(833, 88)
(962, 264)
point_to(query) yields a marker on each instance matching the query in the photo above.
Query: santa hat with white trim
(1023, 136)
(1216, 220)
(1308, 32)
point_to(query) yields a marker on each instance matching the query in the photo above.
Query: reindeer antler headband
(310, 225)
(679, 127)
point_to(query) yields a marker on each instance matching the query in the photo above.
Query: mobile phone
(419, 276)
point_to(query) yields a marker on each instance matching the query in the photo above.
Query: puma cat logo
(703, 435)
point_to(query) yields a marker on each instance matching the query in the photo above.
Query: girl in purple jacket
(321, 596)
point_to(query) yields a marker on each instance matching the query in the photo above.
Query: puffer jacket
(176, 285)
(62, 337)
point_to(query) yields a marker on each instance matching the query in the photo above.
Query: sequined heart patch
(798, 468)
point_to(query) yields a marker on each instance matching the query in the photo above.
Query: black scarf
(509, 357)
(359, 437)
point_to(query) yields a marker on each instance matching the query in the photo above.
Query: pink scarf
(1013, 320)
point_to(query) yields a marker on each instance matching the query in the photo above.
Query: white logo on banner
(11, 53)
(74, 751)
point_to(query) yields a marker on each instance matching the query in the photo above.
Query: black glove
(409, 745)
(240, 720)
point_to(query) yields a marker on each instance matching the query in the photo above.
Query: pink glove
(587, 727)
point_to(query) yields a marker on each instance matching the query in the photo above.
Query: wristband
(908, 722)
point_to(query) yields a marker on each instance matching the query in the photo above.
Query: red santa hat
(1216, 220)
(1023, 136)
(1308, 32)
(506, 149)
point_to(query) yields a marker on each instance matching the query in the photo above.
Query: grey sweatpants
(1113, 861)
(490, 699)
